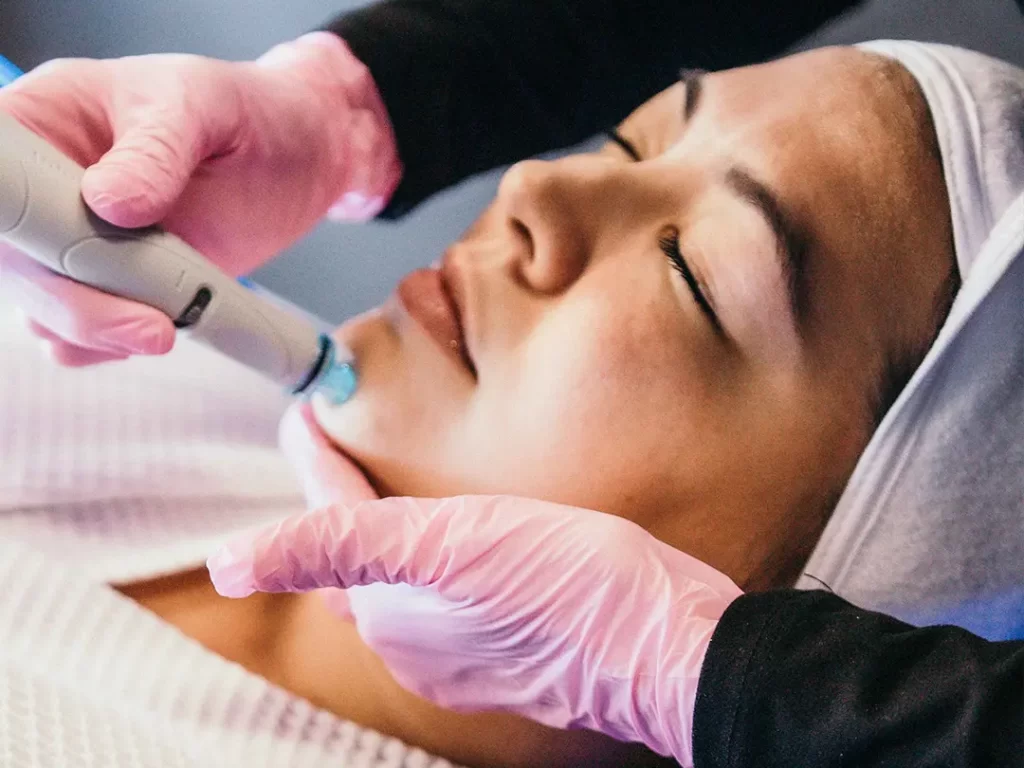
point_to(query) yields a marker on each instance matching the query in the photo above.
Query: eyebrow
(693, 88)
(790, 242)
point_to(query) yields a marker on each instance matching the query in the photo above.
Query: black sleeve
(473, 84)
(805, 679)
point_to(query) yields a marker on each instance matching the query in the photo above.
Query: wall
(342, 269)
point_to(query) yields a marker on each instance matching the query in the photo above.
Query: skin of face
(598, 380)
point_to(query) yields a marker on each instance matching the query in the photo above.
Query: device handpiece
(43, 215)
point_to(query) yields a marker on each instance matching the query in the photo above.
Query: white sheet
(134, 469)
(88, 679)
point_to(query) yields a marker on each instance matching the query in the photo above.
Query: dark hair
(903, 360)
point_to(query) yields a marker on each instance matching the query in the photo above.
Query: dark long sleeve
(473, 84)
(805, 679)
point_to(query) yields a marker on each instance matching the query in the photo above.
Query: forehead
(814, 125)
(819, 116)
(839, 80)
(832, 131)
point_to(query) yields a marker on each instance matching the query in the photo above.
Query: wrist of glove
(364, 152)
(567, 616)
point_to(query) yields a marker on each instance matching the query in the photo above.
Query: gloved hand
(239, 159)
(570, 617)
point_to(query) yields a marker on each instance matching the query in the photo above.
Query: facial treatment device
(43, 215)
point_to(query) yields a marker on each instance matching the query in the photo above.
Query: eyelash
(624, 144)
(669, 244)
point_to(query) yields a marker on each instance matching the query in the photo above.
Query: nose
(555, 209)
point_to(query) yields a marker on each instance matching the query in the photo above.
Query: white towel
(89, 679)
(136, 469)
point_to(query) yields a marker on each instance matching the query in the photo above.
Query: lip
(428, 298)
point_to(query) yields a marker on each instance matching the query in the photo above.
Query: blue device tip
(338, 383)
(337, 380)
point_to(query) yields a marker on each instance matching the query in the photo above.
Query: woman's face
(691, 341)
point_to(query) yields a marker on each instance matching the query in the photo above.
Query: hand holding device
(238, 159)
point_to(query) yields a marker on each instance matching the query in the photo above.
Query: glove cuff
(363, 142)
(669, 711)
(672, 655)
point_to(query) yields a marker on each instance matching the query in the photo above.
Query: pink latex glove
(570, 617)
(240, 159)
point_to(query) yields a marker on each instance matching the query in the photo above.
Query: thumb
(393, 541)
(137, 182)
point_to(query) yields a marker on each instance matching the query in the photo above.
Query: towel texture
(88, 679)
(136, 469)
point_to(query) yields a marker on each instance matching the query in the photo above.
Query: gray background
(342, 269)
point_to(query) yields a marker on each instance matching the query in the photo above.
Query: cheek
(603, 367)
(591, 411)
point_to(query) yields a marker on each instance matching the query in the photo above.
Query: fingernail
(103, 201)
(231, 576)
(98, 187)
(130, 202)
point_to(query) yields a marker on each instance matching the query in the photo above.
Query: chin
(380, 441)
(374, 345)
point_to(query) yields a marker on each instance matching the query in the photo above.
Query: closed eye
(669, 244)
(626, 145)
